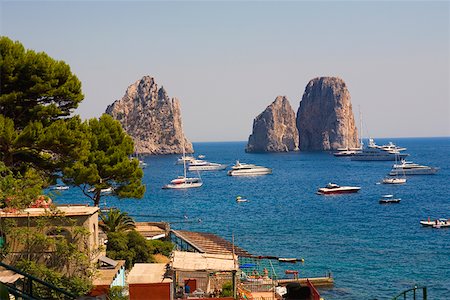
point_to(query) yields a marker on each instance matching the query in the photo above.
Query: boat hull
(207, 168)
(392, 201)
(424, 171)
(381, 157)
(337, 191)
(394, 180)
(262, 171)
(182, 186)
(436, 223)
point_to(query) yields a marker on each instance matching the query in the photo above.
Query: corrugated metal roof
(192, 261)
(210, 243)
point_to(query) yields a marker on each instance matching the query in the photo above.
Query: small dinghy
(387, 199)
(240, 199)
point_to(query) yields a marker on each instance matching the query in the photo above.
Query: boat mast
(184, 161)
(360, 128)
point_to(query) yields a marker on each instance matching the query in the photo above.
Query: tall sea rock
(325, 118)
(274, 129)
(151, 118)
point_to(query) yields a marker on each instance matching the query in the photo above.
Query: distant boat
(438, 223)
(201, 156)
(387, 199)
(203, 165)
(332, 188)
(240, 199)
(103, 191)
(243, 169)
(395, 180)
(60, 187)
(410, 168)
(185, 159)
(373, 152)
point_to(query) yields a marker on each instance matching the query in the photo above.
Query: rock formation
(151, 118)
(274, 130)
(325, 118)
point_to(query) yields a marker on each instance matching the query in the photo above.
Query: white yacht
(333, 188)
(184, 159)
(203, 165)
(242, 169)
(394, 180)
(410, 168)
(379, 153)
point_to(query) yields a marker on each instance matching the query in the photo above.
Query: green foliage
(161, 247)
(4, 294)
(53, 249)
(107, 163)
(35, 86)
(227, 289)
(115, 220)
(130, 246)
(116, 293)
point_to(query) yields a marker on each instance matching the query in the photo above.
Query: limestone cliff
(274, 129)
(151, 118)
(325, 118)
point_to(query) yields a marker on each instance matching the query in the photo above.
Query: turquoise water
(372, 250)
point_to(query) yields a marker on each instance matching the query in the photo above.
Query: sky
(227, 61)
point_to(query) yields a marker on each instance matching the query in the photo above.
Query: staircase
(417, 293)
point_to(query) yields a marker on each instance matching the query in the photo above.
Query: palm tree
(115, 221)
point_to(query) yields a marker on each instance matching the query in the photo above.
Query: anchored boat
(332, 188)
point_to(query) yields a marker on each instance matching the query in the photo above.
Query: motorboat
(332, 188)
(60, 187)
(388, 199)
(142, 164)
(438, 223)
(203, 165)
(240, 199)
(394, 180)
(374, 152)
(243, 169)
(410, 168)
(184, 159)
(184, 183)
(108, 190)
(389, 147)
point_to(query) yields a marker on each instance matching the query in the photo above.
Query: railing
(30, 283)
(314, 293)
(414, 290)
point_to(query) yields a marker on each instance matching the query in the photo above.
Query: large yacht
(242, 169)
(410, 168)
(203, 165)
(375, 152)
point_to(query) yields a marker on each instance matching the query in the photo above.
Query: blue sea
(373, 251)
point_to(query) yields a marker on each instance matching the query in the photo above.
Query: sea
(373, 251)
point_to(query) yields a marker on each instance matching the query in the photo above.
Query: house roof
(67, 210)
(106, 276)
(147, 273)
(193, 261)
(210, 243)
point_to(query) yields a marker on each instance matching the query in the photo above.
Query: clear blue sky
(226, 61)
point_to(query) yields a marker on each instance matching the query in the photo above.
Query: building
(150, 281)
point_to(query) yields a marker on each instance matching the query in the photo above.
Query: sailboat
(184, 182)
(396, 179)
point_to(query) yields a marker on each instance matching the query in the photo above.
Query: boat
(243, 169)
(201, 156)
(373, 152)
(184, 159)
(184, 182)
(240, 199)
(387, 199)
(345, 152)
(410, 168)
(60, 187)
(142, 164)
(395, 180)
(203, 165)
(332, 188)
(438, 223)
(103, 191)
